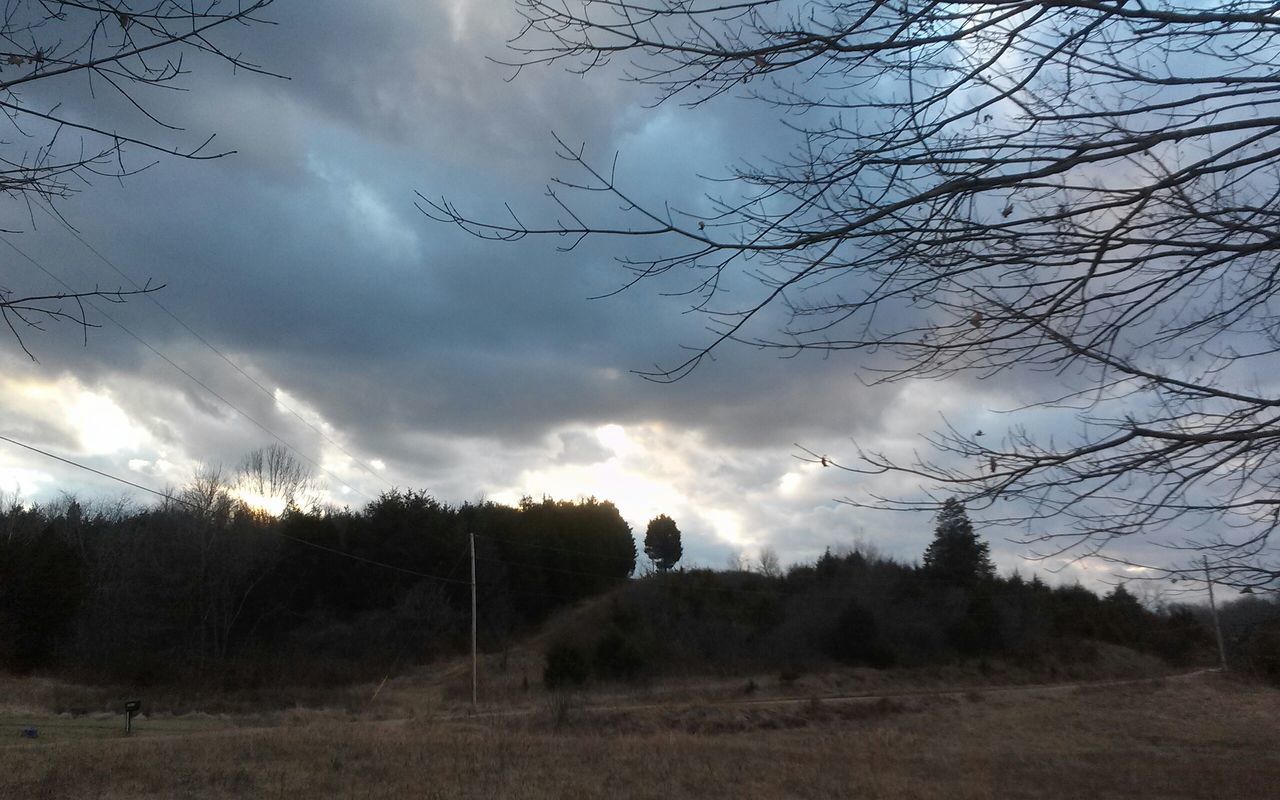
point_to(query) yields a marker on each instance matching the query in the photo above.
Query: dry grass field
(1196, 737)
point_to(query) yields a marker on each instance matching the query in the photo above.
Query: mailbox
(131, 709)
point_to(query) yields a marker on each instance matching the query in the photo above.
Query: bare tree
(119, 51)
(230, 558)
(1088, 189)
(273, 473)
(770, 564)
(208, 495)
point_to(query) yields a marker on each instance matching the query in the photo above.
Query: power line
(189, 504)
(549, 569)
(370, 561)
(517, 543)
(446, 579)
(782, 593)
(405, 570)
(590, 554)
(88, 468)
(179, 368)
(71, 229)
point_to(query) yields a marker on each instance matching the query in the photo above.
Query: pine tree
(956, 555)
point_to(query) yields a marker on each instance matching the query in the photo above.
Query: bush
(1180, 637)
(978, 631)
(566, 667)
(855, 639)
(618, 656)
(1260, 652)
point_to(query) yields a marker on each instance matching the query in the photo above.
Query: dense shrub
(855, 639)
(872, 612)
(978, 630)
(619, 656)
(567, 666)
(1251, 628)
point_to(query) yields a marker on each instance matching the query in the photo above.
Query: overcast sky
(465, 368)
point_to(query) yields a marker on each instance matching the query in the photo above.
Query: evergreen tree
(662, 542)
(956, 555)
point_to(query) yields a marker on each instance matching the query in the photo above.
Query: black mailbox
(131, 709)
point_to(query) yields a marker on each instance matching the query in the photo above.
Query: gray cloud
(581, 448)
(469, 368)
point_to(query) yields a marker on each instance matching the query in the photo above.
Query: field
(1194, 736)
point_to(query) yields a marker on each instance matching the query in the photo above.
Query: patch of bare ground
(1201, 737)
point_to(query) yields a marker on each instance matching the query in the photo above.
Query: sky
(394, 351)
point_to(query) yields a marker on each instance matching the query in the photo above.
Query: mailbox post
(131, 709)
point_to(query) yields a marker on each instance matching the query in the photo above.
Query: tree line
(860, 609)
(210, 590)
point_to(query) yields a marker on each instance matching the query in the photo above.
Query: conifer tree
(662, 542)
(957, 555)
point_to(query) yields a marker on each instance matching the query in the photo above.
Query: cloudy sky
(395, 351)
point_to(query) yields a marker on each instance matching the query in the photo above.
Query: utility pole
(1213, 607)
(475, 658)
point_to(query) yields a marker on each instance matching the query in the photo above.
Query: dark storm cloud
(467, 367)
(460, 335)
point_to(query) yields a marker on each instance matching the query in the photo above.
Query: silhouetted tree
(662, 542)
(41, 589)
(1123, 617)
(274, 479)
(770, 564)
(956, 555)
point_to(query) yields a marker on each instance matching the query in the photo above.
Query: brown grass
(1200, 737)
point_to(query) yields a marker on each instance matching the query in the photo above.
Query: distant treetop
(956, 555)
(662, 542)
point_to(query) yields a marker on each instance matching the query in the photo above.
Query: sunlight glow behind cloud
(91, 417)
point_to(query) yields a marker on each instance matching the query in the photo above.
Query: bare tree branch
(33, 312)
(126, 47)
(1088, 190)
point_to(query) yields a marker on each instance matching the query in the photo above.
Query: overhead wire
(722, 589)
(410, 571)
(80, 238)
(546, 568)
(516, 543)
(88, 468)
(731, 590)
(370, 561)
(182, 370)
(373, 562)
(282, 535)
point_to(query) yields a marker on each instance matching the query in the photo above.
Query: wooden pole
(475, 658)
(1217, 625)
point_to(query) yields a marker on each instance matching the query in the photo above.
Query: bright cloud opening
(258, 502)
(92, 418)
